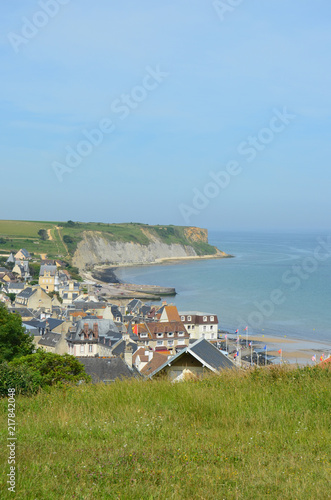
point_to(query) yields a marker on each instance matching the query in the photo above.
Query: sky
(192, 112)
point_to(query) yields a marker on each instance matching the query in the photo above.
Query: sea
(275, 284)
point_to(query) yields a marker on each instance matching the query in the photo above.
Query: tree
(67, 239)
(12, 296)
(14, 341)
(43, 234)
(54, 369)
(34, 269)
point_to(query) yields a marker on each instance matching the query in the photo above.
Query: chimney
(86, 330)
(128, 355)
(95, 330)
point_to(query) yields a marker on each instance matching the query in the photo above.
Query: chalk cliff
(96, 249)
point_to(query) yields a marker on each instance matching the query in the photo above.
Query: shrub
(23, 380)
(14, 341)
(54, 369)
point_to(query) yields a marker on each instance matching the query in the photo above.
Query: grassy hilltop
(62, 237)
(264, 434)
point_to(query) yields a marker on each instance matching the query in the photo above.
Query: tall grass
(262, 434)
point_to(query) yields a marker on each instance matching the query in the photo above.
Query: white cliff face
(95, 249)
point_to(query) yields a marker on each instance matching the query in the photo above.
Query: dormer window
(211, 318)
(180, 334)
(159, 334)
(143, 335)
(205, 318)
(170, 334)
(189, 318)
(182, 318)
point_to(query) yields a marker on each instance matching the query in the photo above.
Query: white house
(200, 324)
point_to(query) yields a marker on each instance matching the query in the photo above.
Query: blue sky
(223, 79)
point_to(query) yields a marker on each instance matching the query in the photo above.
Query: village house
(33, 298)
(7, 277)
(49, 278)
(200, 325)
(196, 361)
(14, 288)
(93, 337)
(160, 336)
(54, 342)
(69, 292)
(22, 269)
(22, 254)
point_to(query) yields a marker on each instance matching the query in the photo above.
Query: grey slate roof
(120, 347)
(49, 269)
(106, 370)
(106, 328)
(22, 311)
(15, 286)
(27, 293)
(50, 339)
(206, 353)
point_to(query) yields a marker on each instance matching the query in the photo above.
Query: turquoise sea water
(276, 284)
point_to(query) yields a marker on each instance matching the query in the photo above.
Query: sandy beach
(294, 351)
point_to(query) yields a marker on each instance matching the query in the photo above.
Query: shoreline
(294, 350)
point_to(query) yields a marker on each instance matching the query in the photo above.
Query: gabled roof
(203, 351)
(172, 313)
(106, 370)
(24, 252)
(156, 361)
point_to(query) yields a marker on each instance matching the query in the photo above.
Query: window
(159, 342)
(170, 334)
(189, 327)
(189, 318)
(204, 328)
(82, 348)
(205, 318)
(170, 342)
(90, 348)
(159, 334)
(143, 335)
(211, 327)
(182, 318)
(211, 318)
(180, 334)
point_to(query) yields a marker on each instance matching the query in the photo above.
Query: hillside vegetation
(63, 237)
(255, 435)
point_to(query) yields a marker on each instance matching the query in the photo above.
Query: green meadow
(64, 236)
(262, 434)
